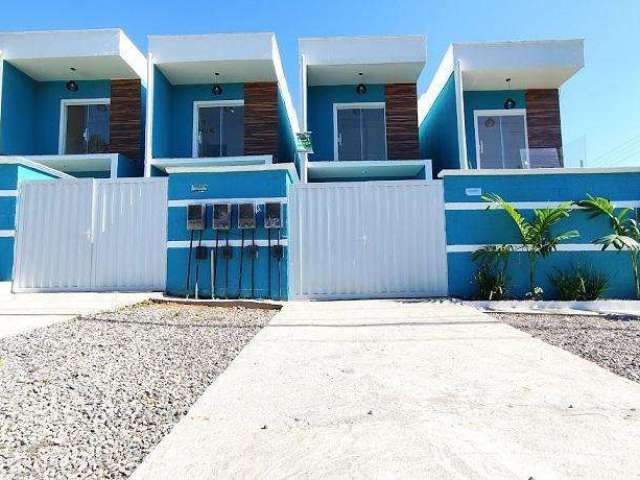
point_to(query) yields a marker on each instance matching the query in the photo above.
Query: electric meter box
(221, 216)
(195, 217)
(247, 215)
(273, 215)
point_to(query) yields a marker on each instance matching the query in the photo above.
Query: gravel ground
(89, 398)
(611, 342)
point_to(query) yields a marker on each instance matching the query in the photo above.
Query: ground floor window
(359, 131)
(501, 138)
(218, 128)
(84, 126)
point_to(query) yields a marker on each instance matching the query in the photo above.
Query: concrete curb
(255, 304)
(596, 307)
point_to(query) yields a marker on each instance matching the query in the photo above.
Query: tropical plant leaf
(523, 226)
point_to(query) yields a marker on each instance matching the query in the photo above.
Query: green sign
(303, 142)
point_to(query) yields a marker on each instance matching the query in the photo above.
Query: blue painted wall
(17, 126)
(30, 123)
(480, 227)
(257, 184)
(320, 102)
(287, 144)
(173, 114)
(182, 98)
(476, 100)
(439, 131)
(47, 109)
(161, 141)
(11, 175)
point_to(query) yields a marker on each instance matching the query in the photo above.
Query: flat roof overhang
(352, 60)
(380, 169)
(101, 54)
(529, 65)
(168, 164)
(93, 162)
(236, 57)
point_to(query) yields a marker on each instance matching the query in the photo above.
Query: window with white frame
(218, 128)
(84, 126)
(359, 131)
(501, 138)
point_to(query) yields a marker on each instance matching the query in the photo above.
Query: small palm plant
(538, 241)
(624, 235)
(491, 277)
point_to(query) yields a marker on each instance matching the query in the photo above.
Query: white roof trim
(530, 63)
(87, 47)
(535, 171)
(26, 162)
(290, 167)
(164, 163)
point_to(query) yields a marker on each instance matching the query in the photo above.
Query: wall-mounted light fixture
(71, 85)
(217, 88)
(361, 89)
(509, 103)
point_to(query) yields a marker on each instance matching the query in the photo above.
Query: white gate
(367, 239)
(91, 235)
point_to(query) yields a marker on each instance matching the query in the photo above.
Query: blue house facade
(222, 129)
(73, 101)
(359, 103)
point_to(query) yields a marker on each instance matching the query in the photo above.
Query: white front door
(501, 138)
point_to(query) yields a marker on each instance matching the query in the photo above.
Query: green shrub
(491, 285)
(491, 276)
(578, 283)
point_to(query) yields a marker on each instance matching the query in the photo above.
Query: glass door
(360, 132)
(86, 129)
(501, 139)
(220, 131)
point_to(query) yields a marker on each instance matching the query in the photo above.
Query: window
(218, 128)
(359, 131)
(501, 138)
(84, 126)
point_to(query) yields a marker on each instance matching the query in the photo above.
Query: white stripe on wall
(530, 205)
(222, 242)
(7, 233)
(206, 201)
(565, 247)
(8, 193)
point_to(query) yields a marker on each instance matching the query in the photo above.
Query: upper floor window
(218, 128)
(359, 131)
(84, 126)
(501, 138)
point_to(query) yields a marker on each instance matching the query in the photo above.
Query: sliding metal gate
(91, 235)
(367, 239)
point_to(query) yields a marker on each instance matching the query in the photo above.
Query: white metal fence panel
(91, 235)
(367, 239)
(53, 236)
(130, 232)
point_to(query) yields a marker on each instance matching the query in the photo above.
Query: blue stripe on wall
(8, 177)
(255, 184)
(7, 213)
(544, 187)
(480, 227)
(615, 264)
(6, 258)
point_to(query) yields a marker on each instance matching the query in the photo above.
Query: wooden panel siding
(543, 119)
(125, 118)
(261, 119)
(402, 121)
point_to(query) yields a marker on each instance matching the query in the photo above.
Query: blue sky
(601, 103)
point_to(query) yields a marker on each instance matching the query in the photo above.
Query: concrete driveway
(389, 389)
(25, 311)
